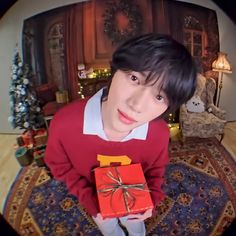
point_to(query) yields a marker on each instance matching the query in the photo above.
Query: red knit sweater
(71, 155)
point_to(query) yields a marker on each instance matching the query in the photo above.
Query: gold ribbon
(129, 198)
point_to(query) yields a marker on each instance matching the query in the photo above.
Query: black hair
(163, 58)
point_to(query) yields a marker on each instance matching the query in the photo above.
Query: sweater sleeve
(62, 169)
(155, 174)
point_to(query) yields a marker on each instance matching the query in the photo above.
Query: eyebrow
(141, 74)
(148, 77)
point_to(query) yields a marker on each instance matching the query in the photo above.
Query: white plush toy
(195, 104)
(82, 73)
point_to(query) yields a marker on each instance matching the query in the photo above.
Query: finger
(148, 214)
(149, 211)
(104, 219)
(100, 218)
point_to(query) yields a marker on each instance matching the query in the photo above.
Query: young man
(151, 75)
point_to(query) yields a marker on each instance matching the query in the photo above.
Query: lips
(125, 119)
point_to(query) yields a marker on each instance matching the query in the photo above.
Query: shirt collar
(93, 121)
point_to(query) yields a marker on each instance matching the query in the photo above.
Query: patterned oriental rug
(200, 197)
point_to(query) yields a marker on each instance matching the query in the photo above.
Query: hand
(140, 217)
(100, 219)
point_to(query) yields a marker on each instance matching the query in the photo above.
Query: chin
(126, 128)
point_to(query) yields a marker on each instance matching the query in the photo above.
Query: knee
(135, 228)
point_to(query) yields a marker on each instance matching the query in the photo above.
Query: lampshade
(221, 63)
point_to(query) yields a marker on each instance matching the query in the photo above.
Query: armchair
(205, 123)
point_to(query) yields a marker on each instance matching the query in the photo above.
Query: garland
(130, 10)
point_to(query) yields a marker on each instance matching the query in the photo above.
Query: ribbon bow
(112, 188)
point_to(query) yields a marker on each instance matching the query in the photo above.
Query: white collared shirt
(93, 121)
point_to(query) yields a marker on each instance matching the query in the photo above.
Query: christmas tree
(25, 110)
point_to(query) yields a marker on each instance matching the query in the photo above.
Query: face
(131, 103)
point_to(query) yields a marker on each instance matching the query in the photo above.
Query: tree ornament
(25, 81)
(23, 92)
(23, 101)
(19, 72)
(26, 125)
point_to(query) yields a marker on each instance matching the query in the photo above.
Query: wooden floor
(229, 141)
(9, 167)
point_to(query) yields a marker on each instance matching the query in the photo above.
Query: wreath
(117, 30)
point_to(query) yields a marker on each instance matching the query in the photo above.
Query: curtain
(73, 37)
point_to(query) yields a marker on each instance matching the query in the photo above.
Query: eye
(159, 98)
(134, 78)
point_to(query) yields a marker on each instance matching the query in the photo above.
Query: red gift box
(27, 138)
(40, 137)
(38, 155)
(122, 190)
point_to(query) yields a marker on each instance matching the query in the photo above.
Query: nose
(137, 101)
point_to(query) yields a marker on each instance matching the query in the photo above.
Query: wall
(11, 27)
(10, 34)
(227, 36)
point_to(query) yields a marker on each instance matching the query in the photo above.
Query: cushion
(46, 93)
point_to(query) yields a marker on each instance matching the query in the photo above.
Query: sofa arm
(217, 111)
